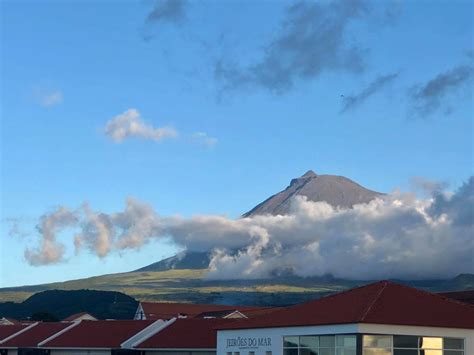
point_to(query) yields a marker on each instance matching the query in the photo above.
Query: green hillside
(190, 285)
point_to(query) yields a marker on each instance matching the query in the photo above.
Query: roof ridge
(374, 301)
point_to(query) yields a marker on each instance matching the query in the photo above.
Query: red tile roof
(383, 302)
(98, 334)
(163, 310)
(7, 330)
(186, 334)
(35, 335)
(461, 296)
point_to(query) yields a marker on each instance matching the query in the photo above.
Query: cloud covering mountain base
(396, 236)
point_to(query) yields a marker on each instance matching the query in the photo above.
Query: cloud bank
(431, 96)
(130, 124)
(395, 236)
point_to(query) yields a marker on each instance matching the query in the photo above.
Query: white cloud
(203, 139)
(398, 236)
(129, 124)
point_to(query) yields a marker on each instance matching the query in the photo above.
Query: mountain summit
(338, 191)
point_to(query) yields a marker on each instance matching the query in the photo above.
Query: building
(184, 337)
(382, 318)
(26, 342)
(166, 311)
(100, 337)
(79, 316)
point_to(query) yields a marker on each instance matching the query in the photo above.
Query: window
(268, 353)
(410, 345)
(377, 345)
(251, 352)
(320, 345)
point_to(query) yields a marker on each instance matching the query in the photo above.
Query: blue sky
(70, 68)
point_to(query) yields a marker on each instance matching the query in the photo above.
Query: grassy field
(172, 285)
(191, 285)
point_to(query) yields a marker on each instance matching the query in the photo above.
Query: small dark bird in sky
(342, 95)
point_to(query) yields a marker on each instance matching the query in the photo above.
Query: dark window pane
(309, 341)
(308, 351)
(290, 342)
(405, 352)
(326, 341)
(453, 352)
(453, 344)
(405, 341)
(290, 351)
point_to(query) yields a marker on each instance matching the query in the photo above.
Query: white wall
(276, 335)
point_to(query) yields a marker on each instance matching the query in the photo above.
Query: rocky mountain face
(338, 191)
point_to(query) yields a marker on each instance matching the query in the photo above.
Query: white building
(383, 318)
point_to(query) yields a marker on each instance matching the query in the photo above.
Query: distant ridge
(181, 261)
(338, 191)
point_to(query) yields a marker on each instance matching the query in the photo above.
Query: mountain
(338, 191)
(181, 261)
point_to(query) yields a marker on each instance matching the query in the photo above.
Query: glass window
(345, 351)
(377, 341)
(431, 352)
(453, 343)
(368, 351)
(453, 352)
(268, 353)
(326, 341)
(309, 341)
(308, 351)
(405, 341)
(291, 342)
(346, 341)
(431, 343)
(327, 351)
(293, 351)
(405, 352)
(251, 352)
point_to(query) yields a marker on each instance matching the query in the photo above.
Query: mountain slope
(338, 191)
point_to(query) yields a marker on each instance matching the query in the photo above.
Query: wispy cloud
(50, 250)
(397, 235)
(165, 12)
(130, 124)
(433, 95)
(380, 82)
(203, 139)
(48, 98)
(312, 40)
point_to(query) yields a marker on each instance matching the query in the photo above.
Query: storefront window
(411, 345)
(320, 345)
